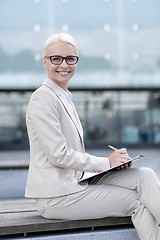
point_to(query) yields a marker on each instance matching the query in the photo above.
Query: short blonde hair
(63, 37)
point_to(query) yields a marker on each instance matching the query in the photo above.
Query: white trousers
(132, 192)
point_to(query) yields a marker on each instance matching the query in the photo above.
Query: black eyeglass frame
(50, 57)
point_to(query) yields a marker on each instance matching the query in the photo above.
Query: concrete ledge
(6, 165)
(109, 234)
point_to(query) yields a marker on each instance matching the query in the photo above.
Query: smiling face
(60, 74)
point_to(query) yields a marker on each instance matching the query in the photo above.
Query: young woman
(58, 158)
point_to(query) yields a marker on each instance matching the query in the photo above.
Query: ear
(45, 63)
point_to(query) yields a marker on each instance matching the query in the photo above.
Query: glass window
(119, 41)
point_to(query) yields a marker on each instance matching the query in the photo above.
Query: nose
(64, 64)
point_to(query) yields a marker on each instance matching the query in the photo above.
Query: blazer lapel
(73, 115)
(67, 106)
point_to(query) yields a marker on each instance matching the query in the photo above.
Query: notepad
(89, 176)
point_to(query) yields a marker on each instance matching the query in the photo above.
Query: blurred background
(116, 88)
(117, 85)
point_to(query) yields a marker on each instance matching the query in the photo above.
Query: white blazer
(57, 155)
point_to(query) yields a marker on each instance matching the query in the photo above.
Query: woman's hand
(118, 157)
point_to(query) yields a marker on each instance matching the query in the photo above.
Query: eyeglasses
(57, 60)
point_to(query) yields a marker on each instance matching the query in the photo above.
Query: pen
(115, 149)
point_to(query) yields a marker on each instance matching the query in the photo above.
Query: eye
(56, 59)
(71, 59)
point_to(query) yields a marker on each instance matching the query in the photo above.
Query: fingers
(129, 164)
(123, 152)
(125, 166)
(119, 157)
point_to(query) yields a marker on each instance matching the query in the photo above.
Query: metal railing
(129, 116)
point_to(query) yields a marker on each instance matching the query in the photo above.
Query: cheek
(51, 69)
(74, 69)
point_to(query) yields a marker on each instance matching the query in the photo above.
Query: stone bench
(20, 216)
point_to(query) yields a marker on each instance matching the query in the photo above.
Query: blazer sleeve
(44, 127)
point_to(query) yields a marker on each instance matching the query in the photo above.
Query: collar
(67, 94)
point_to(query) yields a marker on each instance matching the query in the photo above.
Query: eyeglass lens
(69, 60)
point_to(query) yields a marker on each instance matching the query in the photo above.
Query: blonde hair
(63, 37)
